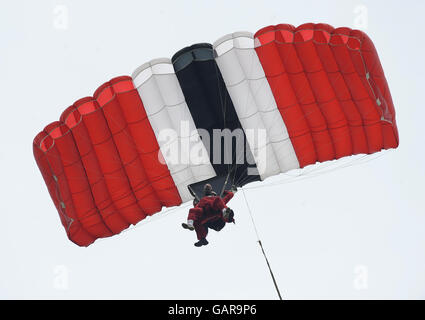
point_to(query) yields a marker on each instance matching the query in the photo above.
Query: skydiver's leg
(195, 215)
(201, 230)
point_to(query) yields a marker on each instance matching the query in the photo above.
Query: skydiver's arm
(227, 196)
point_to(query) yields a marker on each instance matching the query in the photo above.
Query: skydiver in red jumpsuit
(210, 212)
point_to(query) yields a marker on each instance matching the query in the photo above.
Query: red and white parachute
(317, 92)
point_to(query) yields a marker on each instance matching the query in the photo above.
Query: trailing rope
(261, 246)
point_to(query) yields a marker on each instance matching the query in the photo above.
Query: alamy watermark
(231, 147)
(61, 17)
(61, 277)
(361, 277)
(361, 17)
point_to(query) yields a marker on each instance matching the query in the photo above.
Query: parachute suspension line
(232, 167)
(225, 183)
(261, 246)
(222, 100)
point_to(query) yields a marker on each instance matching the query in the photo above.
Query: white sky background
(353, 233)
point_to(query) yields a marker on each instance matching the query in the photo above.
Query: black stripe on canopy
(211, 108)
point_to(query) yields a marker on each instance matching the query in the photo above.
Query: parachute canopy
(289, 97)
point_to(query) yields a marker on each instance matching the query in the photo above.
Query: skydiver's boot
(202, 242)
(188, 225)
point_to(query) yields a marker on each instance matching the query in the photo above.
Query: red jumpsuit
(208, 209)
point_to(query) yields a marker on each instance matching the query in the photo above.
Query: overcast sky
(355, 232)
